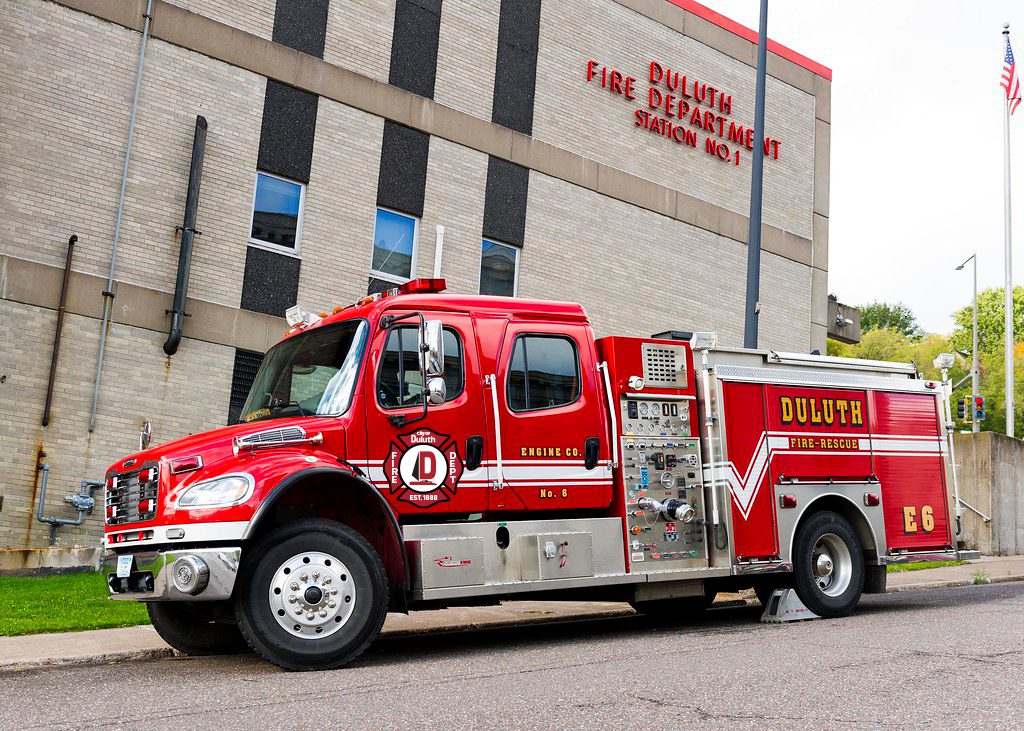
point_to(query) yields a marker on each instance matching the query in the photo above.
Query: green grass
(895, 568)
(65, 603)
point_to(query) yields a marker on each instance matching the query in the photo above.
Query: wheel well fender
(854, 515)
(338, 494)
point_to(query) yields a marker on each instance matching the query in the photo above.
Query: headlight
(218, 492)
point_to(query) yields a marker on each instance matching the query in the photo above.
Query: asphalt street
(942, 658)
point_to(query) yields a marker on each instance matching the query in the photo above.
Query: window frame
(295, 252)
(380, 367)
(374, 273)
(508, 373)
(515, 279)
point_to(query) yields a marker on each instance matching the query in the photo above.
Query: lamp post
(975, 426)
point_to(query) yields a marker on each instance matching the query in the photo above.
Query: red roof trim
(751, 35)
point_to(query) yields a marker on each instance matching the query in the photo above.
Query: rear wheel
(679, 609)
(312, 595)
(828, 565)
(192, 628)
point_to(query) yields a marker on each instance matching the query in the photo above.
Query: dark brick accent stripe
(288, 131)
(414, 46)
(402, 181)
(515, 73)
(505, 201)
(302, 25)
(271, 281)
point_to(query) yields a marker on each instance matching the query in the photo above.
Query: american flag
(1010, 81)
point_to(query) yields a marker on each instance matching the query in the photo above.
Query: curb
(150, 654)
(949, 584)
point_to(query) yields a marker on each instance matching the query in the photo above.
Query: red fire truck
(421, 449)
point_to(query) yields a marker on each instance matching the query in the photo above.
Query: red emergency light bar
(420, 286)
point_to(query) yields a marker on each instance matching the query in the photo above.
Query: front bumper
(151, 578)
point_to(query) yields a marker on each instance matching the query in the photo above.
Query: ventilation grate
(247, 364)
(664, 365)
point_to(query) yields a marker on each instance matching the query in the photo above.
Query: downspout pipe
(188, 231)
(60, 328)
(108, 293)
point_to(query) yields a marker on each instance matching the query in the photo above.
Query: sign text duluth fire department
(676, 105)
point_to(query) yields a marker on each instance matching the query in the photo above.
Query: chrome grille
(132, 497)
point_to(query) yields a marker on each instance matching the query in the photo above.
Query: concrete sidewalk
(134, 643)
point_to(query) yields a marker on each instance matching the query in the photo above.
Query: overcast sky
(917, 143)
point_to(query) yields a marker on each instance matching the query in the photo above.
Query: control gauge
(643, 409)
(668, 480)
(656, 409)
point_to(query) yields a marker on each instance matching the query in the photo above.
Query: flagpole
(1008, 293)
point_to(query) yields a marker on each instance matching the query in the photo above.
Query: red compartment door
(908, 455)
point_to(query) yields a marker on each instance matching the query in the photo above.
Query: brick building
(592, 150)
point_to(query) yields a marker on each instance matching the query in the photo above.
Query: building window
(277, 213)
(394, 246)
(400, 383)
(544, 373)
(499, 269)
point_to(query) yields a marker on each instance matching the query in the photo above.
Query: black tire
(364, 615)
(190, 627)
(680, 609)
(833, 594)
(766, 587)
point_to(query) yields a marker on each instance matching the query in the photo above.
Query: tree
(990, 321)
(882, 315)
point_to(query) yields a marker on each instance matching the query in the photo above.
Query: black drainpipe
(60, 328)
(188, 230)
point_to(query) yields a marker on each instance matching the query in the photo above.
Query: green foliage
(884, 316)
(895, 346)
(990, 321)
(898, 568)
(64, 603)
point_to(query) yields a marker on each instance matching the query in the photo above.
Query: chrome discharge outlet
(673, 509)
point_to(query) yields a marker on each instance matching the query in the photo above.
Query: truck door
(555, 452)
(434, 464)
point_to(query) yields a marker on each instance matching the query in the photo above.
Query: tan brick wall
(252, 16)
(466, 54)
(64, 145)
(637, 272)
(337, 231)
(587, 119)
(359, 36)
(179, 396)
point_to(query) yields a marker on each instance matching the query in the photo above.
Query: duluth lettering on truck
(421, 447)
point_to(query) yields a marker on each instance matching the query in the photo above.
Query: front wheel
(312, 595)
(193, 628)
(828, 565)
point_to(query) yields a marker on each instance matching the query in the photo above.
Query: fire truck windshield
(312, 373)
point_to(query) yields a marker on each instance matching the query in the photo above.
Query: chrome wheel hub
(831, 565)
(312, 595)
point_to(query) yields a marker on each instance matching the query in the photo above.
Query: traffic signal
(979, 408)
(963, 409)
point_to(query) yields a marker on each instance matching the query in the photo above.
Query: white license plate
(124, 566)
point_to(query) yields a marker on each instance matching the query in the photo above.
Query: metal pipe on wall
(108, 294)
(60, 328)
(188, 231)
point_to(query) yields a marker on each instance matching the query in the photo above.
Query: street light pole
(975, 426)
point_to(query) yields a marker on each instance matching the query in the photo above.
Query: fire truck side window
(544, 373)
(399, 383)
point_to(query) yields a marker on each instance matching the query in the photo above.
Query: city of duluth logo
(423, 468)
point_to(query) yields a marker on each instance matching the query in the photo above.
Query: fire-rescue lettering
(805, 410)
(823, 443)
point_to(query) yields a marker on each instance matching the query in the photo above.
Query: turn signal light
(787, 501)
(872, 500)
(186, 464)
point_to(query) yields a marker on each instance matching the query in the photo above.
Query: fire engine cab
(421, 449)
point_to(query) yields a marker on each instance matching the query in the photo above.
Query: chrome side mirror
(436, 391)
(432, 348)
(145, 436)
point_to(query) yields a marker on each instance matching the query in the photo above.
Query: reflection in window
(394, 245)
(543, 373)
(499, 269)
(276, 211)
(400, 382)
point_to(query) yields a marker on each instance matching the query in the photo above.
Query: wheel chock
(785, 606)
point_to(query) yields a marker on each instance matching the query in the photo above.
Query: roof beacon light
(422, 286)
(704, 340)
(295, 315)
